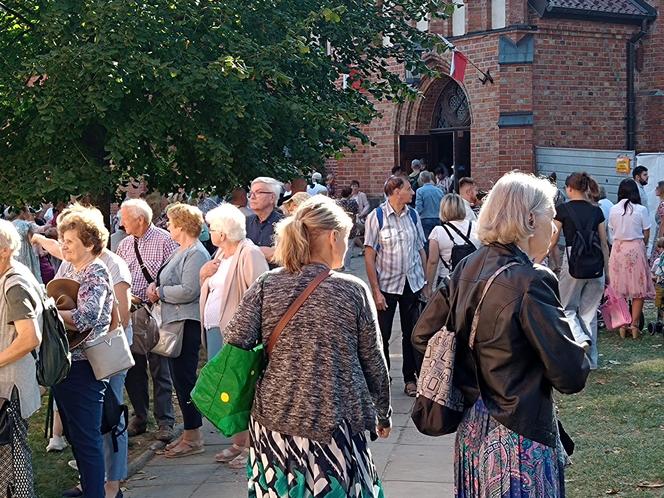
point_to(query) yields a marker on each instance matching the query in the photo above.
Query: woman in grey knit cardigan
(326, 382)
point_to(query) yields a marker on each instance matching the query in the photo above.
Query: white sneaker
(73, 465)
(56, 443)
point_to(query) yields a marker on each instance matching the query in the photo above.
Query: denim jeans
(214, 341)
(580, 299)
(116, 463)
(80, 399)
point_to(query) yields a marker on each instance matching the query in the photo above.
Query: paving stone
(404, 489)
(172, 491)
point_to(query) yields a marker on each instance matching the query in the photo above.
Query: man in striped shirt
(395, 259)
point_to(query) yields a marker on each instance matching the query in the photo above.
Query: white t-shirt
(606, 205)
(445, 244)
(631, 225)
(213, 304)
(470, 214)
(317, 189)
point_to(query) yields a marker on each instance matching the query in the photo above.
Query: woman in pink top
(628, 266)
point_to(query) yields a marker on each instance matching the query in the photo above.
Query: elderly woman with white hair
(518, 348)
(237, 263)
(20, 317)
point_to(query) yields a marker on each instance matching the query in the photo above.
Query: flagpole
(486, 75)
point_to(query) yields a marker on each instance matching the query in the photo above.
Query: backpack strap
(379, 217)
(413, 215)
(466, 237)
(476, 316)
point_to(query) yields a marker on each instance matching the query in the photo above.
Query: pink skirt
(629, 271)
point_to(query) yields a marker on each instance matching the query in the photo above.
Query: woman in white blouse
(441, 241)
(628, 266)
(237, 263)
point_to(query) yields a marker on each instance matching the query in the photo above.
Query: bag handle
(144, 269)
(476, 316)
(294, 308)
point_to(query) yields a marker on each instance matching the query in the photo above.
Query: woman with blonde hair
(304, 443)
(20, 322)
(178, 288)
(514, 346)
(237, 263)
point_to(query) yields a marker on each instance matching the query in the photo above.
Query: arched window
(452, 110)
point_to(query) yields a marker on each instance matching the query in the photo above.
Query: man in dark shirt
(263, 199)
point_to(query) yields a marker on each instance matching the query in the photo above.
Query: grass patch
(617, 422)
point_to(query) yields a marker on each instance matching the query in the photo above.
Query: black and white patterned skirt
(297, 467)
(16, 479)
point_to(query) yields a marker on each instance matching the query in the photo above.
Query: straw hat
(294, 201)
(64, 292)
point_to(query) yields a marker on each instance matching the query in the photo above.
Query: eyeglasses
(262, 192)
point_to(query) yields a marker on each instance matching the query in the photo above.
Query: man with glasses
(263, 198)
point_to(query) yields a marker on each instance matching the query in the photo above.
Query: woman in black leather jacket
(507, 444)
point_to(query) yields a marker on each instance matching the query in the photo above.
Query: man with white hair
(145, 250)
(263, 198)
(316, 187)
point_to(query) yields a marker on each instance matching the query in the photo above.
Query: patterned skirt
(16, 479)
(629, 270)
(492, 461)
(296, 467)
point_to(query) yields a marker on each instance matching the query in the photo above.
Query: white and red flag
(458, 66)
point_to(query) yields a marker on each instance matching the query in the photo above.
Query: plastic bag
(615, 310)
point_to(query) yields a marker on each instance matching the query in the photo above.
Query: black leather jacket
(524, 346)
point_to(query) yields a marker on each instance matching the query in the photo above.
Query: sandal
(240, 461)
(635, 330)
(172, 444)
(410, 389)
(185, 448)
(623, 332)
(228, 454)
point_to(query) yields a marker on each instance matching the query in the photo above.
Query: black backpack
(459, 251)
(112, 413)
(52, 357)
(585, 258)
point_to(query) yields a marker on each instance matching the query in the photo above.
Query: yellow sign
(623, 165)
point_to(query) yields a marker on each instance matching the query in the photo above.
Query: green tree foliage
(191, 93)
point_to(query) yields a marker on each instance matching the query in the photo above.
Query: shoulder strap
(466, 238)
(145, 271)
(293, 308)
(413, 215)
(379, 217)
(476, 316)
(444, 225)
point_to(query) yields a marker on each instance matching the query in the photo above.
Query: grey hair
(425, 177)
(505, 213)
(229, 220)
(316, 177)
(139, 207)
(273, 185)
(9, 237)
(416, 163)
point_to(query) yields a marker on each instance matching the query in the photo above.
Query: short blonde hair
(294, 235)
(88, 222)
(228, 220)
(452, 208)
(139, 208)
(9, 237)
(188, 218)
(505, 213)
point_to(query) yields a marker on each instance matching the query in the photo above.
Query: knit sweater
(327, 366)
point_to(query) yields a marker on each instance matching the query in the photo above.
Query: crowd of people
(225, 272)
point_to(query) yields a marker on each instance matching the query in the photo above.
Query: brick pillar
(478, 15)
(516, 12)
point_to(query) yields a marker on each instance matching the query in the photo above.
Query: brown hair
(88, 222)
(392, 183)
(466, 180)
(584, 183)
(295, 234)
(188, 218)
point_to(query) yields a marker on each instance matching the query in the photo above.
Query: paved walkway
(410, 464)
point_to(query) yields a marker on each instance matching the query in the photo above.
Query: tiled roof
(599, 8)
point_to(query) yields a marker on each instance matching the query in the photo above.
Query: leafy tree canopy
(192, 93)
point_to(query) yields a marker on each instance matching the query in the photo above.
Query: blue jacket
(180, 286)
(427, 201)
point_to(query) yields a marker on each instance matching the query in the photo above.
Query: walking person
(350, 206)
(453, 232)
(361, 199)
(145, 251)
(585, 263)
(304, 444)
(629, 223)
(80, 397)
(507, 443)
(20, 324)
(427, 203)
(177, 288)
(395, 259)
(235, 266)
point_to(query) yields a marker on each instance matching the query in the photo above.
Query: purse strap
(476, 316)
(144, 270)
(293, 308)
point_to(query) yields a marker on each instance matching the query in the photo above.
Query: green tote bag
(224, 391)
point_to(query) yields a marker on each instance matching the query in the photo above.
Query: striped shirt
(155, 247)
(398, 246)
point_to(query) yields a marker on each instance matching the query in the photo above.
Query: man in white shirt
(640, 175)
(468, 192)
(316, 187)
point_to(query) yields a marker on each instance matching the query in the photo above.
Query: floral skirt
(629, 270)
(492, 461)
(296, 467)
